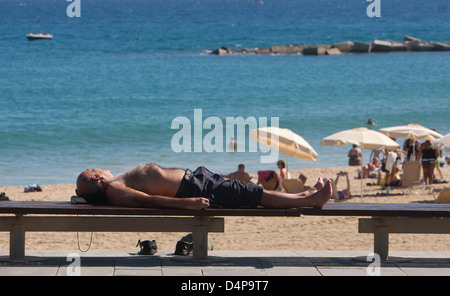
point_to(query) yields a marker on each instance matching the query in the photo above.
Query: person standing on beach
(411, 148)
(149, 185)
(355, 156)
(428, 154)
(233, 143)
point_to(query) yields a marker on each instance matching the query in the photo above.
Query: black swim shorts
(220, 191)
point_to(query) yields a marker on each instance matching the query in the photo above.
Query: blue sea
(105, 91)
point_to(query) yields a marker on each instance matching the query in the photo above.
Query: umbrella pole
(362, 165)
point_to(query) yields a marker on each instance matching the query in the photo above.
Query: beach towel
(265, 176)
(268, 179)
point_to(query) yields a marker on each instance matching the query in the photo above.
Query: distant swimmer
(233, 143)
(370, 122)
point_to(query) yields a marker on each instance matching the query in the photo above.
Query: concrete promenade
(224, 263)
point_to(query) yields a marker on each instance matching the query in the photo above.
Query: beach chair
(292, 185)
(443, 196)
(268, 179)
(411, 177)
(411, 174)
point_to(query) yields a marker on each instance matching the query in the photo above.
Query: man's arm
(120, 195)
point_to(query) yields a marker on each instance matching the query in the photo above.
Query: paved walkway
(223, 263)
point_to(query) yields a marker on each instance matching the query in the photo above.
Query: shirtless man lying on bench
(149, 185)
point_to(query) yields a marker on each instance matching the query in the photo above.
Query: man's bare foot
(321, 197)
(320, 184)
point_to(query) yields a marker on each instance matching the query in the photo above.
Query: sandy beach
(250, 233)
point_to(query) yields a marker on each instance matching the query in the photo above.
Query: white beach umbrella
(362, 137)
(443, 143)
(413, 131)
(285, 141)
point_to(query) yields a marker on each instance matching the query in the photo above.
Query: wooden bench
(19, 217)
(63, 216)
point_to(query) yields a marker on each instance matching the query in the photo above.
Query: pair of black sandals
(149, 247)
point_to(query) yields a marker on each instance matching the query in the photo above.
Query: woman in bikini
(428, 155)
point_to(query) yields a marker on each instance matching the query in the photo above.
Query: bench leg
(381, 242)
(379, 226)
(17, 243)
(200, 238)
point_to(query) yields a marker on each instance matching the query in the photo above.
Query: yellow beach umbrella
(285, 141)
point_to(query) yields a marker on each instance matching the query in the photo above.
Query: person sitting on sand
(376, 162)
(366, 170)
(239, 175)
(303, 178)
(345, 193)
(284, 174)
(149, 185)
(393, 178)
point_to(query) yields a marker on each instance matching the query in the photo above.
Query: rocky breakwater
(409, 44)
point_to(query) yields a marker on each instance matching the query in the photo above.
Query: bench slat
(330, 209)
(108, 224)
(380, 209)
(405, 225)
(64, 208)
